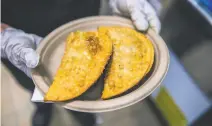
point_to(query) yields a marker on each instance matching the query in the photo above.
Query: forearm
(4, 26)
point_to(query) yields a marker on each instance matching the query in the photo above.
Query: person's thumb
(139, 20)
(29, 57)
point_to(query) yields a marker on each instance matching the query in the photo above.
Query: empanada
(132, 59)
(85, 57)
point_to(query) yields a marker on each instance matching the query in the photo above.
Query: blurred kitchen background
(187, 29)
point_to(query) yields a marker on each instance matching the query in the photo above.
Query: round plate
(51, 51)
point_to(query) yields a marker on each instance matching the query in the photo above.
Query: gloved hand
(141, 12)
(19, 48)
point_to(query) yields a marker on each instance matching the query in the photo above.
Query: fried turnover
(85, 57)
(132, 59)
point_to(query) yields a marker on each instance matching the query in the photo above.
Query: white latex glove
(141, 13)
(19, 48)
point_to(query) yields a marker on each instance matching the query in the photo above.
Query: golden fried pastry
(84, 60)
(132, 58)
